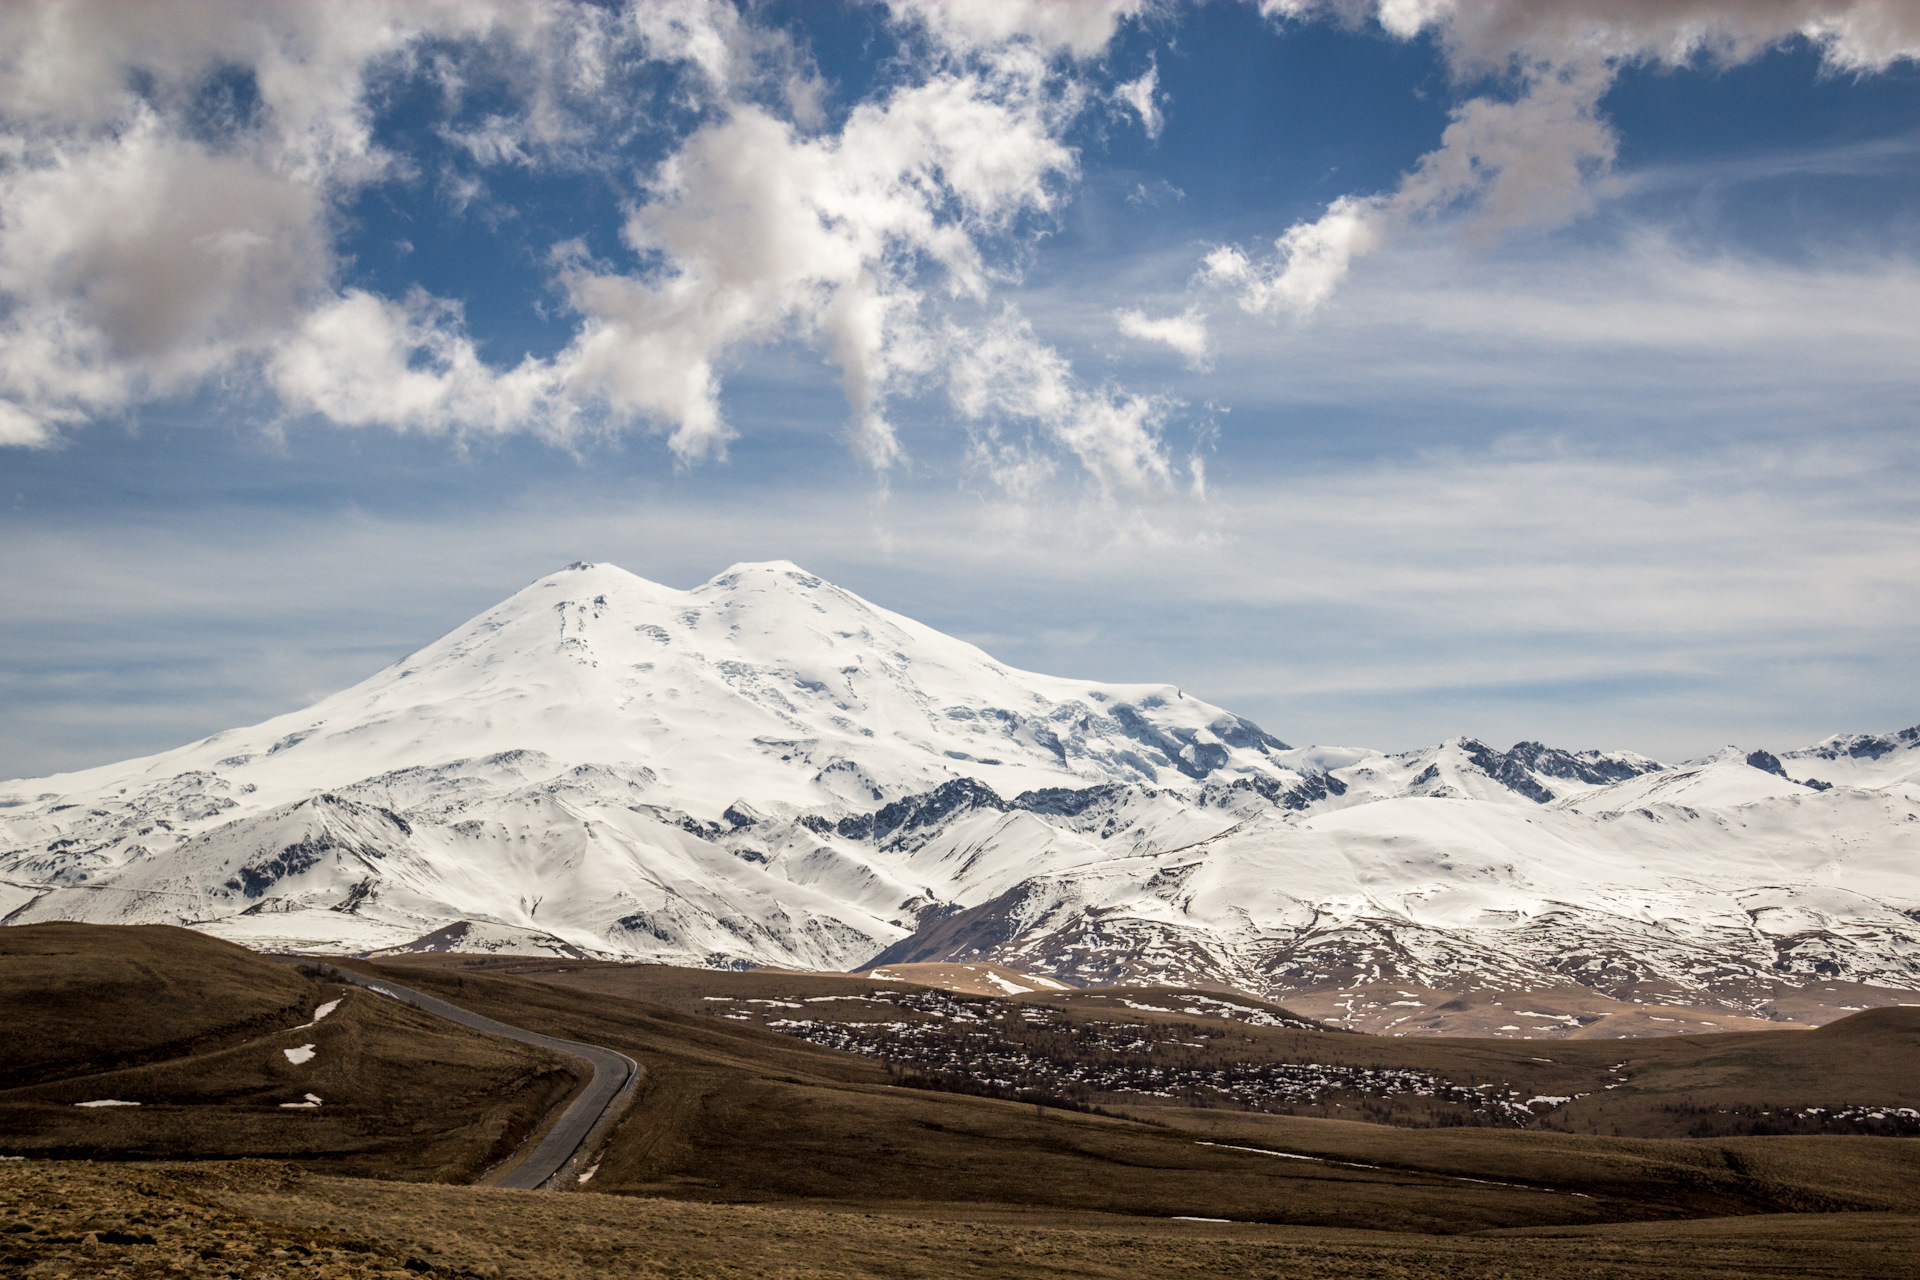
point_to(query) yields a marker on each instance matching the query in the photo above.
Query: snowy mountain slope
(1420, 890)
(769, 770)
(568, 758)
(764, 682)
(1861, 760)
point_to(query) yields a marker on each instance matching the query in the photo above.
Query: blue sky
(1382, 372)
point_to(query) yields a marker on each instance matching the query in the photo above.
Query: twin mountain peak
(768, 769)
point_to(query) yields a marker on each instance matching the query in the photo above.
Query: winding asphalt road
(613, 1073)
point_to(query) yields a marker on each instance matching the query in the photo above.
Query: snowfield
(770, 770)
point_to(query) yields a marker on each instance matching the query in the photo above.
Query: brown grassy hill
(732, 1112)
(1157, 1045)
(196, 1031)
(82, 997)
(157, 1222)
(748, 1101)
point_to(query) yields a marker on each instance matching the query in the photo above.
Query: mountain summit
(768, 769)
(765, 684)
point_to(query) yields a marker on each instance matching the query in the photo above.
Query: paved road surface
(612, 1073)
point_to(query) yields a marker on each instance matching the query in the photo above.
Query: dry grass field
(1851, 1077)
(758, 1147)
(256, 1219)
(196, 1032)
(731, 1112)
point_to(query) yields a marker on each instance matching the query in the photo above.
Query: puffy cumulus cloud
(362, 360)
(1081, 28)
(1310, 258)
(173, 180)
(763, 230)
(1186, 333)
(1536, 159)
(169, 177)
(1002, 374)
(140, 265)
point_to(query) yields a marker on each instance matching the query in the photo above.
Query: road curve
(613, 1073)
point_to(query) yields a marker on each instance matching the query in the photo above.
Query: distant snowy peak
(1859, 746)
(1873, 761)
(766, 684)
(1466, 768)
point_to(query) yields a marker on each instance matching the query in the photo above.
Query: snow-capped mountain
(770, 770)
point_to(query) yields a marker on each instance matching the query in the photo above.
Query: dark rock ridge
(1864, 746)
(1520, 769)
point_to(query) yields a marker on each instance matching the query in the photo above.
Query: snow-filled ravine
(767, 769)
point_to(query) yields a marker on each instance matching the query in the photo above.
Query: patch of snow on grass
(107, 1102)
(1011, 988)
(1259, 1151)
(313, 1100)
(320, 1013)
(298, 1056)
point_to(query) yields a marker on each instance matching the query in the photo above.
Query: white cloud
(1536, 160)
(1186, 333)
(1081, 28)
(1853, 34)
(1000, 373)
(1139, 95)
(765, 231)
(1310, 258)
(140, 263)
(145, 246)
(144, 249)
(1529, 162)
(361, 360)
(1598, 340)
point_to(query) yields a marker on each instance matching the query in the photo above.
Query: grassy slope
(731, 1112)
(270, 1221)
(1667, 1086)
(205, 1025)
(80, 997)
